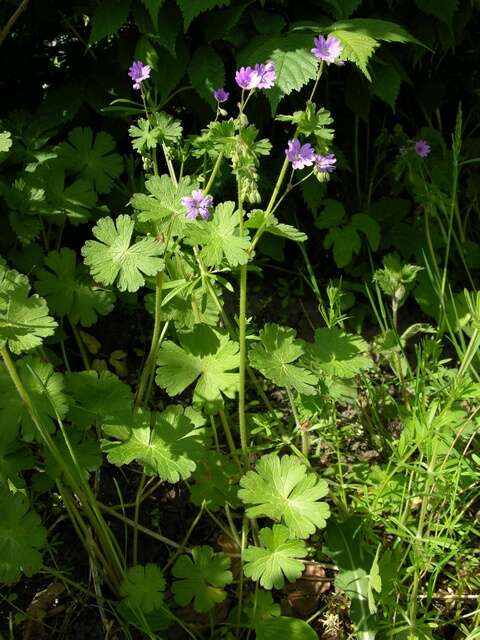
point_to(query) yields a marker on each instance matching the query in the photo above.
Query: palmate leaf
(283, 489)
(46, 391)
(114, 258)
(278, 558)
(98, 398)
(92, 159)
(14, 458)
(148, 134)
(201, 578)
(220, 237)
(143, 587)
(167, 444)
(337, 353)
(68, 293)
(162, 210)
(312, 122)
(21, 538)
(273, 357)
(24, 319)
(215, 481)
(274, 227)
(205, 355)
(191, 10)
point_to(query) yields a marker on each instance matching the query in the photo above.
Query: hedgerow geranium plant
(197, 419)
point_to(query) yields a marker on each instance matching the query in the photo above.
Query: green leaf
(168, 25)
(312, 122)
(143, 587)
(369, 226)
(278, 558)
(337, 353)
(443, 10)
(14, 458)
(206, 72)
(5, 141)
(98, 399)
(220, 237)
(215, 481)
(331, 216)
(294, 64)
(109, 16)
(376, 29)
(92, 159)
(283, 627)
(346, 242)
(257, 607)
(283, 489)
(374, 582)
(357, 47)
(114, 257)
(344, 8)
(386, 84)
(21, 538)
(153, 7)
(273, 357)
(162, 209)
(167, 444)
(352, 577)
(257, 218)
(143, 135)
(87, 455)
(68, 293)
(191, 9)
(205, 355)
(46, 391)
(24, 319)
(202, 578)
(147, 135)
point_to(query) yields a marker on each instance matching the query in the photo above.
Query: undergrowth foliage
(299, 458)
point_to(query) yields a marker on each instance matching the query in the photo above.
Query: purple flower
(299, 155)
(325, 164)
(139, 72)
(197, 205)
(267, 75)
(422, 148)
(327, 49)
(221, 95)
(247, 78)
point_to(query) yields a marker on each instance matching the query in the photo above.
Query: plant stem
(303, 432)
(242, 339)
(152, 355)
(213, 175)
(228, 436)
(171, 170)
(138, 499)
(81, 346)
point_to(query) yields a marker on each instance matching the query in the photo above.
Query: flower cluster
(261, 76)
(139, 72)
(303, 155)
(197, 204)
(327, 49)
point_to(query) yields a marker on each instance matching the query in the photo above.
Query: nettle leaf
(220, 237)
(114, 257)
(202, 578)
(143, 587)
(92, 158)
(191, 10)
(162, 209)
(283, 627)
(344, 8)
(167, 21)
(278, 558)
(256, 220)
(167, 444)
(337, 353)
(283, 489)
(273, 357)
(357, 47)
(46, 390)
(386, 83)
(205, 355)
(70, 294)
(377, 29)
(98, 398)
(443, 10)
(24, 319)
(295, 66)
(21, 538)
(206, 72)
(153, 7)
(215, 481)
(5, 141)
(109, 16)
